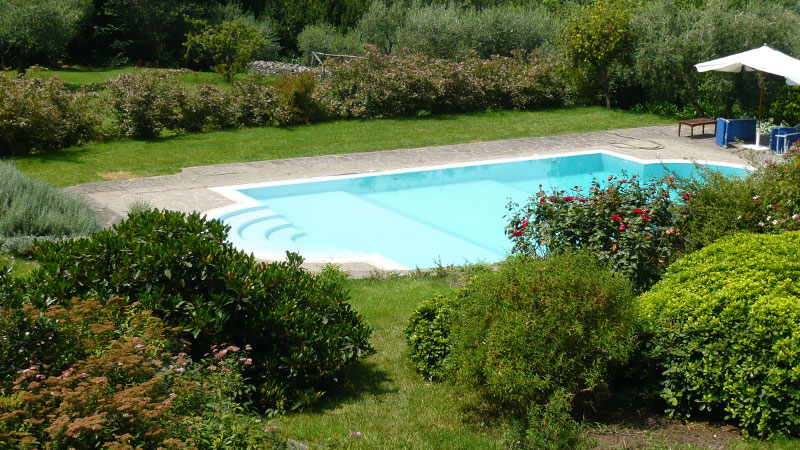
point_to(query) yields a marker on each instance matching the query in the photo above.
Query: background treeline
(628, 53)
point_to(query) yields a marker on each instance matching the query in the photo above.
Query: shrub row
(383, 86)
(42, 115)
(300, 326)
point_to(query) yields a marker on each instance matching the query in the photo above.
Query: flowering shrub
(147, 101)
(628, 224)
(122, 385)
(40, 114)
(725, 327)
(208, 107)
(256, 104)
(180, 266)
(766, 201)
(410, 84)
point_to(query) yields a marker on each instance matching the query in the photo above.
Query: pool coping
(190, 190)
(381, 262)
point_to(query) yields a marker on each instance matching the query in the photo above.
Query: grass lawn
(140, 158)
(383, 398)
(75, 77)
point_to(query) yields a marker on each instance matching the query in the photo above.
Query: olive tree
(31, 28)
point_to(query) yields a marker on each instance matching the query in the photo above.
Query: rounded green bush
(300, 326)
(427, 336)
(537, 325)
(725, 325)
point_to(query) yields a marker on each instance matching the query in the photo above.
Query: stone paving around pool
(190, 191)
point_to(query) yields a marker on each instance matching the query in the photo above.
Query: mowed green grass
(75, 77)
(383, 403)
(141, 158)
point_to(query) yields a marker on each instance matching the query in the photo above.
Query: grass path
(384, 399)
(140, 158)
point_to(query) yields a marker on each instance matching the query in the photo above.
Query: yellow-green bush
(725, 325)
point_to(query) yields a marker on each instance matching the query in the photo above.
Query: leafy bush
(410, 84)
(228, 47)
(301, 327)
(295, 95)
(550, 426)
(31, 209)
(147, 101)
(380, 24)
(427, 335)
(42, 115)
(325, 39)
(257, 104)
(766, 201)
(724, 323)
(539, 325)
(110, 375)
(208, 107)
(786, 108)
(627, 224)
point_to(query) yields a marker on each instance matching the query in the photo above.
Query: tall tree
(30, 28)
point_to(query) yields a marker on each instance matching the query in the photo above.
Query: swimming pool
(412, 218)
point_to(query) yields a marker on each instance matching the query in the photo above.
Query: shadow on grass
(360, 380)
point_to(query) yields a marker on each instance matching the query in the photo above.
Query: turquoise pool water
(412, 219)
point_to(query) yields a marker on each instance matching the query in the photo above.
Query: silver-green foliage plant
(326, 39)
(452, 31)
(32, 208)
(380, 24)
(39, 27)
(725, 327)
(40, 115)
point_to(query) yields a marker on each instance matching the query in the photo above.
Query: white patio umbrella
(762, 60)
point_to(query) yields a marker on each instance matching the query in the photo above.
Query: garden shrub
(257, 104)
(146, 102)
(550, 426)
(228, 47)
(295, 94)
(208, 107)
(725, 327)
(41, 114)
(120, 383)
(765, 201)
(539, 325)
(32, 209)
(628, 224)
(411, 84)
(427, 336)
(302, 329)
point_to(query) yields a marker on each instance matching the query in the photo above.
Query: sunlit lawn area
(77, 76)
(140, 158)
(383, 398)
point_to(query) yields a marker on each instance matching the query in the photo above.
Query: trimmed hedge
(725, 326)
(300, 326)
(427, 334)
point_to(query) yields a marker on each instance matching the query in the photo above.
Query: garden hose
(655, 146)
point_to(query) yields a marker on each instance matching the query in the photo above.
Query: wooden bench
(691, 123)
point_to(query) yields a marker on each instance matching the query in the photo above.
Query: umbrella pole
(761, 96)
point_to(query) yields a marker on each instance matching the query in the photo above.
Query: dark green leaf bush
(538, 325)
(627, 223)
(301, 328)
(428, 336)
(41, 115)
(146, 102)
(725, 326)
